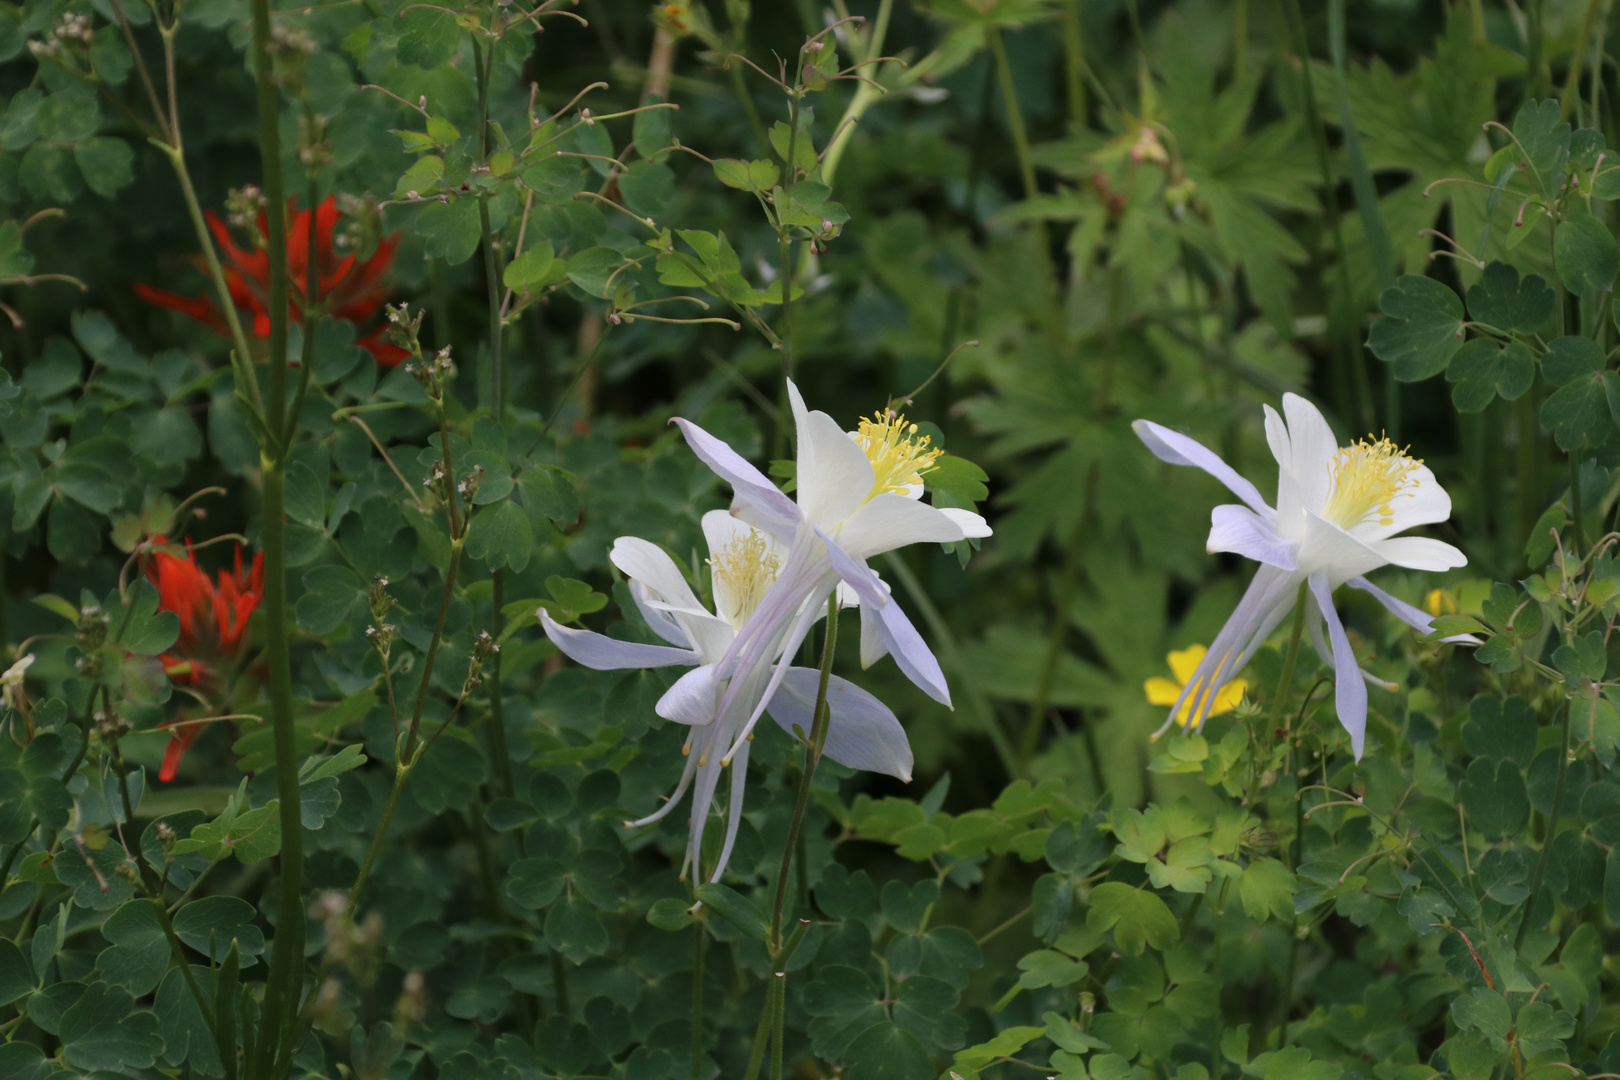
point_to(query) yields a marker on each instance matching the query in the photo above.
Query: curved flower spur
(744, 563)
(1338, 511)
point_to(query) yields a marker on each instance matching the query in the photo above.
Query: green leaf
(102, 1030)
(532, 269)
(1543, 140)
(1585, 254)
(1136, 917)
(1267, 890)
(1052, 899)
(1501, 728)
(651, 131)
(331, 594)
(574, 929)
(1486, 1012)
(570, 599)
(68, 116)
(139, 953)
(450, 230)
(210, 925)
(1047, 967)
(1076, 850)
(24, 1061)
(1295, 1063)
(1494, 799)
(1482, 370)
(107, 165)
(736, 909)
(1582, 413)
(500, 536)
(1504, 302)
(14, 975)
(536, 883)
(885, 1052)
(647, 187)
(594, 270)
(429, 37)
(1539, 1029)
(670, 914)
(1421, 330)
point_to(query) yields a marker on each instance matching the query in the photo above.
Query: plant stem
(1215, 969)
(1074, 63)
(1015, 117)
(497, 409)
(1525, 424)
(1286, 679)
(1552, 828)
(285, 981)
(866, 94)
(698, 943)
(1578, 532)
(756, 1056)
(778, 1007)
(812, 757)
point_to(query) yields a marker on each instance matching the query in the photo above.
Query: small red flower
(213, 616)
(345, 286)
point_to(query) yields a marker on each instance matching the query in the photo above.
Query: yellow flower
(1162, 691)
(1439, 602)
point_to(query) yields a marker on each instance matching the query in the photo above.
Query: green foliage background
(1098, 211)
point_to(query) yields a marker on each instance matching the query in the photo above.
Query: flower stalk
(285, 981)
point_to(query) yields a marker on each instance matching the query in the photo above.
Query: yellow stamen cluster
(900, 457)
(748, 569)
(1367, 479)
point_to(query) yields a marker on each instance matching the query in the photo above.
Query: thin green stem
(816, 738)
(699, 936)
(1074, 63)
(756, 1055)
(1576, 510)
(285, 981)
(1015, 116)
(866, 94)
(1552, 828)
(1525, 425)
(1286, 680)
(17, 849)
(778, 1006)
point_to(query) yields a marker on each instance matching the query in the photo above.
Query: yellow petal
(1229, 697)
(1184, 662)
(1161, 691)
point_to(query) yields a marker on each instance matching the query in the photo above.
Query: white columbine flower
(859, 495)
(744, 564)
(11, 681)
(1338, 510)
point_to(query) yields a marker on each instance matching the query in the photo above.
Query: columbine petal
(873, 646)
(749, 483)
(1239, 529)
(912, 653)
(1178, 449)
(646, 562)
(972, 525)
(1414, 617)
(607, 654)
(833, 474)
(1422, 502)
(1314, 448)
(862, 732)
(1328, 548)
(1269, 597)
(734, 809)
(893, 521)
(694, 699)
(658, 620)
(1350, 692)
(1419, 553)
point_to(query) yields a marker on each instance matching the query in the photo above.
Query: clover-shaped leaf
(1422, 328)
(1501, 299)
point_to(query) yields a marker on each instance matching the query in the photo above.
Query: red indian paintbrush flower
(345, 287)
(213, 620)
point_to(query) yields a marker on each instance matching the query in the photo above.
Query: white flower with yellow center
(744, 564)
(1338, 512)
(859, 495)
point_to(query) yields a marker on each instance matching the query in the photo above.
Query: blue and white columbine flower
(744, 564)
(859, 495)
(1338, 512)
